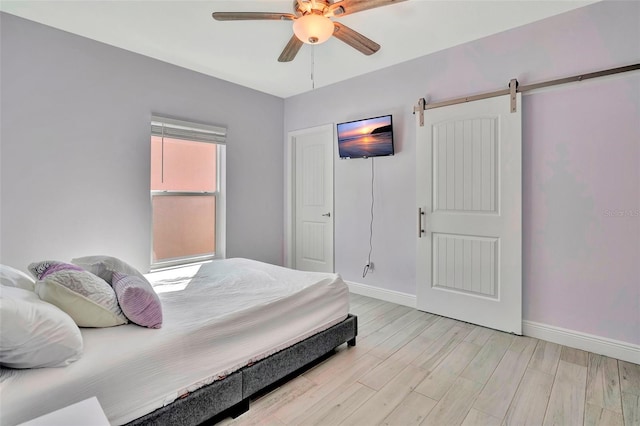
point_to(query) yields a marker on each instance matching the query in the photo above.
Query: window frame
(219, 195)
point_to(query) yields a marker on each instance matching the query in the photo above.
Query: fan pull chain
(313, 68)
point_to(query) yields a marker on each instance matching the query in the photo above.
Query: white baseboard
(562, 336)
(382, 294)
(587, 342)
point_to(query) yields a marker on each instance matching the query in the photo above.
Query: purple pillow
(138, 301)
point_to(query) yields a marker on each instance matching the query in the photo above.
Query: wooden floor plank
(479, 335)
(478, 418)
(379, 406)
(331, 382)
(598, 416)
(356, 300)
(363, 303)
(631, 409)
(382, 315)
(337, 406)
(523, 344)
(503, 383)
(389, 368)
(441, 347)
(413, 409)
(395, 323)
(386, 321)
(545, 357)
(375, 314)
(264, 421)
(630, 392)
(530, 402)
(483, 365)
(437, 329)
(629, 377)
(407, 333)
(342, 363)
(266, 406)
(603, 383)
(567, 401)
(575, 356)
(455, 405)
(440, 380)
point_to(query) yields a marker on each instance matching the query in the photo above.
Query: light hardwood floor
(411, 367)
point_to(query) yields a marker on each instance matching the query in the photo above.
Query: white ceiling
(245, 52)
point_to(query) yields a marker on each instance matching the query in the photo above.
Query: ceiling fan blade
(290, 50)
(355, 39)
(347, 7)
(251, 16)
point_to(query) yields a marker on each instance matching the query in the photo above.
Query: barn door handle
(420, 228)
(328, 214)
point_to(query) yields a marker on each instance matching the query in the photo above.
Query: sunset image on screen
(366, 138)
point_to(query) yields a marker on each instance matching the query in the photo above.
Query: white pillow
(88, 299)
(105, 266)
(34, 333)
(14, 278)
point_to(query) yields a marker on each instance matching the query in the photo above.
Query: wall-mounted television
(369, 137)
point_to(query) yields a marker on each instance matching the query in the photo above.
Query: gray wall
(581, 156)
(74, 170)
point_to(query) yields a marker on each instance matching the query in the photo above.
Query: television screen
(370, 137)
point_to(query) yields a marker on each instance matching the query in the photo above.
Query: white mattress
(218, 317)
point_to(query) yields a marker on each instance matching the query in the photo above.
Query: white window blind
(177, 129)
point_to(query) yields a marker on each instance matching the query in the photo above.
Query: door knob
(328, 214)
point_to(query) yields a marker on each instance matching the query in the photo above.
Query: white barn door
(469, 173)
(313, 194)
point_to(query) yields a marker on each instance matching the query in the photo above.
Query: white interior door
(469, 173)
(313, 193)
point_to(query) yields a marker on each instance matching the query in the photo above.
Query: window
(187, 192)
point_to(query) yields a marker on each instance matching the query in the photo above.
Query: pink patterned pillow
(138, 301)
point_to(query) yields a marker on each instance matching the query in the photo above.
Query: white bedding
(218, 317)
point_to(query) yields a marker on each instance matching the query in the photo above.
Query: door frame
(290, 190)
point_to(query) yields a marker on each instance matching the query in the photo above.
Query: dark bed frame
(230, 397)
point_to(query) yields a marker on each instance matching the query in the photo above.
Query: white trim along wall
(574, 339)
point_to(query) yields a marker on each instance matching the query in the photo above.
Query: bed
(231, 328)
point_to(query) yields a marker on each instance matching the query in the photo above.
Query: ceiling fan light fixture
(313, 28)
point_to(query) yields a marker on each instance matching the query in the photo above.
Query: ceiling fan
(312, 23)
